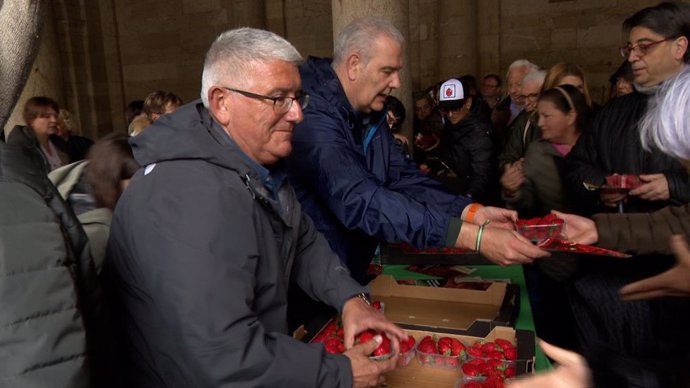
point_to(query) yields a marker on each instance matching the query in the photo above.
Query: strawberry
(510, 354)
(484, 368)
(405, 346)
(496, 355)
(475, 361)
(470, 370)
(340, 333)
(510, 371)
(427, 346)
(376, 305)
(457, 348)
(472, 384)
(384, 347)
(496, 364)
(444, 346)
(452, 362)
(475, 352)
(494, 382)
(490, 347)
(365, 337)
(332, 345)
(504, 344)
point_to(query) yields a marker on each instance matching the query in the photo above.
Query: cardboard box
(415, 375)
(470, 312)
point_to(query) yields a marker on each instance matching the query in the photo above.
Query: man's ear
(353, 65)
(218, 103)
(680, 47)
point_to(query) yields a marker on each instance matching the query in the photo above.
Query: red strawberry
(332, 345)
(365, 337)
(384, 347)
(376, 305)
(427, 346)
(341, 348)
(444, 346)
(484, 368)
(494, 382)
(340, 333)
(472, 384)
(475, 352)
(496, 355)
(457, 348)
(405, 346)
(510, 354)
(475, 361)
(496, 364)
(490, 347)
(470, 370)
(504, 344)
(510, 371)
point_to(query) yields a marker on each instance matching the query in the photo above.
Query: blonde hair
(563, 69)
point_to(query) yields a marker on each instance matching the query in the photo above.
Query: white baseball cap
(451, 90)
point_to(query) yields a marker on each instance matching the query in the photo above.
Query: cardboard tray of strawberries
(447, 357)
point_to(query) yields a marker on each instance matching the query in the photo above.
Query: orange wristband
(471, 211)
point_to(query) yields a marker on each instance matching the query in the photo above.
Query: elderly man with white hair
(209, 236)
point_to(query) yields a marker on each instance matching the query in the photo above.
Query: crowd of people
(241, 214)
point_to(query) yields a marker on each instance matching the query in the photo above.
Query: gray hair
(358, 35)
(234, 52)
(666, 122)
(535, 76)
(522, 63)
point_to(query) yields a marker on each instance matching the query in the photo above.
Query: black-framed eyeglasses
(281, 105)
(531, 96)
(640, 49)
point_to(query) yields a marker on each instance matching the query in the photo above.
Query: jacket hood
(319, 79)
(187, 133)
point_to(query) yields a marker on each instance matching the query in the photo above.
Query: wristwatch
(364, 297)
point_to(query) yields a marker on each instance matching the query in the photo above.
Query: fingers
(649, 288)
(560, 355)
(680, 248)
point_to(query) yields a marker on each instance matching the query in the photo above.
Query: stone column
(45, 77)
(248, 13)
(396, 11)
(457, 37)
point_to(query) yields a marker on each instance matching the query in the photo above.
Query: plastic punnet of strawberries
(540, 228)
(443, 352)
(490, 364)
(333, 338)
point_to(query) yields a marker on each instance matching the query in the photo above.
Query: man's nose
(395, 81)
(295, 113)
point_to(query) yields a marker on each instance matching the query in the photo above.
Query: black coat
(467, 150)
(612, 145)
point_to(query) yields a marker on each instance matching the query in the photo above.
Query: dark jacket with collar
(612, 145)
(200, 258)
(467, 148)
(361, 190)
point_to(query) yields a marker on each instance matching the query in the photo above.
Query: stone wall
(98, 55)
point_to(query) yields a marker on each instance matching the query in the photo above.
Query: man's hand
(581, 230)
(358, 316)
(572, 371)
(503, 247)
(655, 188)
(365, 372)
(674, 282)
(513, 177)
(499, 217)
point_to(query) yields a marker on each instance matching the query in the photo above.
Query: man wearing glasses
(209, 236)
(657, 49)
